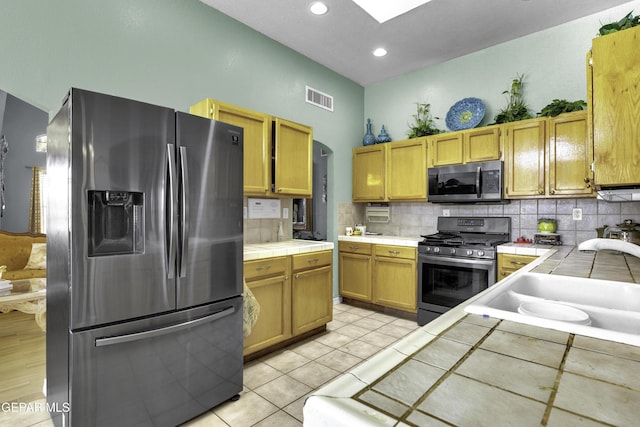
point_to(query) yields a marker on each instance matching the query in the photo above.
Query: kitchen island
(463, 369)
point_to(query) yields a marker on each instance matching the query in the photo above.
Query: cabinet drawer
(265, 267)
(515, 262)
(395, 251)
(355, 247)
(312, 260)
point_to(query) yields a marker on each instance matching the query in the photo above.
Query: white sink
(595, 308)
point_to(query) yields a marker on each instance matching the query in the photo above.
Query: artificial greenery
(559, 106)
(516, 108)
(627, 21)
(423, 122)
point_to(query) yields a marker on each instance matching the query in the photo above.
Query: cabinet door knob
(313, 261)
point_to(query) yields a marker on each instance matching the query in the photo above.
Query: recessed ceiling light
(318, 8)
(380, 52)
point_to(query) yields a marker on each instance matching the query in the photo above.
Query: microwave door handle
(478, 182)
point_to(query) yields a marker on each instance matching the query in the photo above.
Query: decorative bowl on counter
(547, 225)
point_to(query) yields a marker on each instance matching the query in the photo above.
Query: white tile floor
(276, 385)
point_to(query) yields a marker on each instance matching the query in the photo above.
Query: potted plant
(559, 106)
(516, 108)
(423, 122)
(627, 21)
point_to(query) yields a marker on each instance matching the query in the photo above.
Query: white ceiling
(343, 39)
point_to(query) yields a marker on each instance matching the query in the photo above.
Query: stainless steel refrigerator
(144, 265)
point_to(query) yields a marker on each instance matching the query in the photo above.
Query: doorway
(310, 215)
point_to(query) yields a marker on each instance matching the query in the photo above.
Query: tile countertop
(288, 247)
(379, 239)
(463, 369)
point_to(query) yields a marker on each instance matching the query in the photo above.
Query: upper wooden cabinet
(548, 157)
(407, 170)
(368, 173)
(257, 141)
(614, 81)
(278, 154)
(482, 144)
(445, 149)
(524, 158)
(569, 161)
(390, 172)
(293, 148)
(472, 145)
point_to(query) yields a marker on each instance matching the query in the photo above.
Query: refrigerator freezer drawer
(183, 365)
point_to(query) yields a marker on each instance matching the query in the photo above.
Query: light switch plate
(446, 212)
(285, 213)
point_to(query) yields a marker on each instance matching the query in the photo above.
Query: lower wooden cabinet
(510, 263)
(268, 280)
(381, 274)
(395, 277)
(312, 292)
(295, 294)
(355, 270)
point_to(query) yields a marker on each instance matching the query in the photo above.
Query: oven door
(445, 282)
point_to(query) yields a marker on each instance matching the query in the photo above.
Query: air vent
(319, 99)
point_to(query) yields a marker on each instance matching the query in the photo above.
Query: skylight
(383, 11)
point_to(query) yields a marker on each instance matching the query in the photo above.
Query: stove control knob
(436, 250)
(469, 252)
(452, 251)
(480, 253)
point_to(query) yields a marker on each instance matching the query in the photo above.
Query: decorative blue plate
(465, 114)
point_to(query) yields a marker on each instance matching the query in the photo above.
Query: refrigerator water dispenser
(116, 223)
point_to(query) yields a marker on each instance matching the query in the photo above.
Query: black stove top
(467, 237)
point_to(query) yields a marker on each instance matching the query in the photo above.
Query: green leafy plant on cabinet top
(559, 106)
(627, 21)
(516, 108)
(423, 122)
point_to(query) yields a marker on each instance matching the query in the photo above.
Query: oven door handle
(440, 260)
(478, 182)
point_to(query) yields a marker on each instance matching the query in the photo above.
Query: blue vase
(368, 139)
(383, 137)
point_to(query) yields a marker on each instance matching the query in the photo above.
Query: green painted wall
(173, 53)
(552, 60)
(176, 52)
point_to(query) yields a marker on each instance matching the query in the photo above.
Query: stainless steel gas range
(458, 262)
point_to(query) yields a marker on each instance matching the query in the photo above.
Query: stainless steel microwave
(480, 182)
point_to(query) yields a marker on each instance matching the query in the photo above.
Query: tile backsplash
(414, 219)
(266, 230)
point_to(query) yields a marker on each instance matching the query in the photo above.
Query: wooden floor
(22, 363)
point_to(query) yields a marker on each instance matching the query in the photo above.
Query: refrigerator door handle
(184, 212)
(172, 192)
(101, 342)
